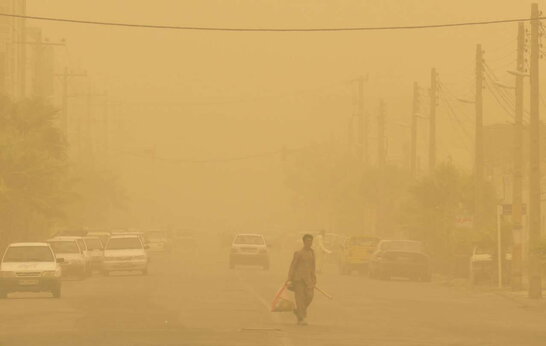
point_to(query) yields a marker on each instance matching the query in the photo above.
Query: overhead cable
(270, 29)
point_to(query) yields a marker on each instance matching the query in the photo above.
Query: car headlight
(51, 274)
(6, 274)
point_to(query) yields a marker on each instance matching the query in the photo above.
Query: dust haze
(301, 172)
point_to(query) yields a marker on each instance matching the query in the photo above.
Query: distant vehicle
(249, 249)
(95, 249)
(356, 254)
(482, 267)
(74, 261)
(30, 267)
(157, 240)
(125, 253)
(400, 258)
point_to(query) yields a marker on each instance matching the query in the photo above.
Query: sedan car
(249, 249)
(356, 253)
(400, 258)
(125, 253)
(74, 262)
(29, 267)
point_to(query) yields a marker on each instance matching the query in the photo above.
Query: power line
(270, 29)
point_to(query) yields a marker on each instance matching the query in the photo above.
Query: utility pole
(432, 119)
(535, 280)
(381, 153)
(64, 78)
(517, 249)
(478, 145)
(414, 115)
(362, 145)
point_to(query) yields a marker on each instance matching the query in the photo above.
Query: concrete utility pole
(478, 144)
(432, 119)
(535, 280)
(64, 77)
(414, 115)
(362, 124)
(381, 152)
(517, 250)
(360, 117)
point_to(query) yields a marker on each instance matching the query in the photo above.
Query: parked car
(400, 258)
(74, 261)
(125, 253)
(95, 250)
(483, 267)
(249, 249)
(356, 254)
(30, 267)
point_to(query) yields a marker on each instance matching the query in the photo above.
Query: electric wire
(271, 29)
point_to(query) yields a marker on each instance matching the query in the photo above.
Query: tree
(33, 165)
(432, 207)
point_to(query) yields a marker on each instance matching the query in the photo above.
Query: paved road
(192, 298)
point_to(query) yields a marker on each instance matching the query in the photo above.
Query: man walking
(302, 278)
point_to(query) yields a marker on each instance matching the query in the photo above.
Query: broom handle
(324, 292)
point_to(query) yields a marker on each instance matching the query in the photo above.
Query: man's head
(307, 241)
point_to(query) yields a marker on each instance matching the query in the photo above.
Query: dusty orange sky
(204, 95)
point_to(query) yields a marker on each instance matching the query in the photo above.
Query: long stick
(324, 293)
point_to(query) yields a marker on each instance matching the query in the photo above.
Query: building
(13, 49)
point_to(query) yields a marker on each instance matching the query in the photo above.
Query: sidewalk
(520, 297)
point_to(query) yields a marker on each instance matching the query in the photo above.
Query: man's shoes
(302, 323)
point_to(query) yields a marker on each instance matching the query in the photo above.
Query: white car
(74, 261)
(30, 267)
(125, 253)
(249, 249)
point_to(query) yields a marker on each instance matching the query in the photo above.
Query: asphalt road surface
(192, 298)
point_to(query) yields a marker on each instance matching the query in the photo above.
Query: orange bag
(283, 301)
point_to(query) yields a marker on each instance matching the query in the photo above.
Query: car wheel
(56, 292)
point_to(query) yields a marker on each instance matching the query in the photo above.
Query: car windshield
(124, 243)
(81, 243)
(93, 244)
(64, 246)
(402, 245)
(249, 239)
(28, 254)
